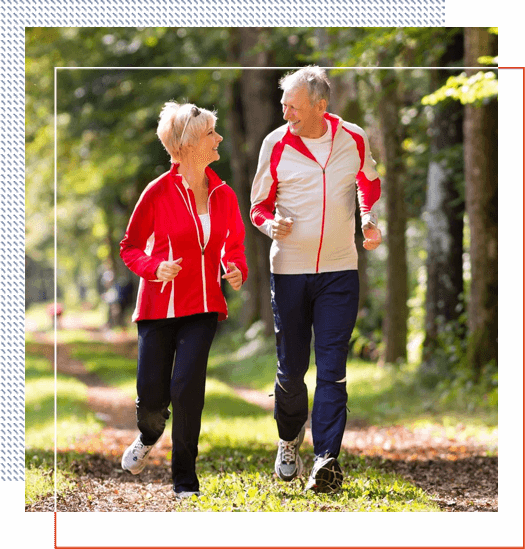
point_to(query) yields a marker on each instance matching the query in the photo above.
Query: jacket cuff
(368, 218)
(266, 227)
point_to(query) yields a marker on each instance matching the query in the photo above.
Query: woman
(186, 224)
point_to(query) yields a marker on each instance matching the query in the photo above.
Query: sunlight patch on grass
(254, 488)
(74, 420)
(40, 482)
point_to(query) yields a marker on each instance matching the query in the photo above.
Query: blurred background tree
(433, 145)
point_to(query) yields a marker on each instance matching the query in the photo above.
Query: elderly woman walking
(185, 226)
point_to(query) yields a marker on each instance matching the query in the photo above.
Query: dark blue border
(290, 529)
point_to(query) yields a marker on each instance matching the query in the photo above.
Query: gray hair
(313, 78)
(179, 127)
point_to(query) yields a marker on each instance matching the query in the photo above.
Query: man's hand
(281, 228)
(233, 276)
(372, 236)
(168, 270)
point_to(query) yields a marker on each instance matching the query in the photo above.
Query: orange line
(254, 547)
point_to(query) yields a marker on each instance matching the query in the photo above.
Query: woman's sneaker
(179, 496)
(288, 463)
(135, 456)
(326, 476)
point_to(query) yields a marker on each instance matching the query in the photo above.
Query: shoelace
(288, 450)
(140, 450)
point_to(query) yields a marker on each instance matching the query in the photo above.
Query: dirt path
(458, 475)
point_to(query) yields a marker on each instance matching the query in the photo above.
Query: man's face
(304, 119)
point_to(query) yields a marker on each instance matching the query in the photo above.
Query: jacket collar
(214, 180)
(298, 144)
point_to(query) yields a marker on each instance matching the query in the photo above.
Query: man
(303, 197)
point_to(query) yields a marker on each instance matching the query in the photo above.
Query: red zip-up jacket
(165, 226)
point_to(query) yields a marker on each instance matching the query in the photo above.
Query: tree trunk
(347, 106)
(481, 193)
(444, 214)
(396, 313)
(254, 112)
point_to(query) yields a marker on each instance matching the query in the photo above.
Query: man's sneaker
(326, 476)
(135, 456)
(288, 463)
(186, 495)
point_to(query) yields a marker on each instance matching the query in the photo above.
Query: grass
(74, 420)
(237, 444)
(246, 483)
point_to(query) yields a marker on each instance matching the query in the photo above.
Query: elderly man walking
(304, 198)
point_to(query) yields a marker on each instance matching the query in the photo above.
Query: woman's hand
(168, 270)
(233, 276)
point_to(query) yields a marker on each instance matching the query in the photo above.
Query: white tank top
(205, 222)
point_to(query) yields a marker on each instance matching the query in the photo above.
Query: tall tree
(396, 310)
(254, 111)
(444, 210)
(481, 193)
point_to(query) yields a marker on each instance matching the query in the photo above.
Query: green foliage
(466, 391)
(449, 374)
(476, 89)
(387, 46)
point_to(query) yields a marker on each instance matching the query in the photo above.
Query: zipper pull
(202, 250)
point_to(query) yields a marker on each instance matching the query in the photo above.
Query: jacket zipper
(322, 220)
(203, 247)
(324, 205)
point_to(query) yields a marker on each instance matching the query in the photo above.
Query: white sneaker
(135, 456)
(185, 495)
(288, 463)
(326, 476)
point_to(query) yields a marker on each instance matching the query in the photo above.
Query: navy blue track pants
(326, 302)
(172, 361)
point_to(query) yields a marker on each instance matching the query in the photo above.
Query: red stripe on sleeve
(368, 192)
(264, 210)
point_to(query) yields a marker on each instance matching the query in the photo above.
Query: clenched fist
(281, 228)
(372, 236)
(233, 276)
(168, 270)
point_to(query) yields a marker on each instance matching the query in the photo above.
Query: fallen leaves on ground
(459, 475)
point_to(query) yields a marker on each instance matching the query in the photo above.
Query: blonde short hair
(313, 78)
(179, 127)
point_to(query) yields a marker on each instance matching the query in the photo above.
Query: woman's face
(205, 151)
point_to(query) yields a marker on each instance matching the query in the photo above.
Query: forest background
(428, 295)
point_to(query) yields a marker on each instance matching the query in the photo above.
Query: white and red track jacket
(165, 226)
(321, 199)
